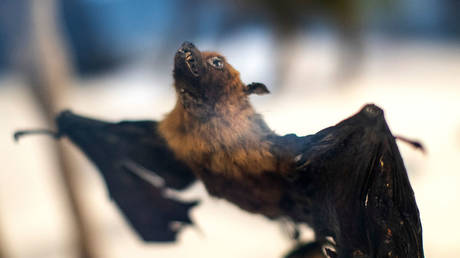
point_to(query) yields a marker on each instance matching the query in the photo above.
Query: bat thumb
(416, 144)
(18, 134)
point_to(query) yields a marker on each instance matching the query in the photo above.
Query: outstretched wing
(123, 152)
(352, 185)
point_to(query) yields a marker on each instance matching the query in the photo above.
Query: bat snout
(186, 46)
(188, 59)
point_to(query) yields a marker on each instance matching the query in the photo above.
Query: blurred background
(112, 59)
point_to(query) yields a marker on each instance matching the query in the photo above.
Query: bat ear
(256, 88)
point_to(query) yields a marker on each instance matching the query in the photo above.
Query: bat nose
(187, 45)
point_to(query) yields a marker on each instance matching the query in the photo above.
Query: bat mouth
(188, 55)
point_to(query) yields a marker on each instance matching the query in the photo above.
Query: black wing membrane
(352, 180)
(121, 151)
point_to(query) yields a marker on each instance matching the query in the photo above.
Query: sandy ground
(417, 84)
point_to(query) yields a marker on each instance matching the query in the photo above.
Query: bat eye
(216, 62)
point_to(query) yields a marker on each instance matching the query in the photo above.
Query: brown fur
(226, 144)
(229, 142)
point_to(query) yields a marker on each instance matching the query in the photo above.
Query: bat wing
(353, 186)
(137, 167)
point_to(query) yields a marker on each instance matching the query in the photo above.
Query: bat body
(347, 181)
(216, 132)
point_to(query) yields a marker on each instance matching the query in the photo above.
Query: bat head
(206, 83)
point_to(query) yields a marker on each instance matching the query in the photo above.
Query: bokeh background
(113, 59)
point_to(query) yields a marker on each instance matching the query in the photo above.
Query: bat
(347, 182)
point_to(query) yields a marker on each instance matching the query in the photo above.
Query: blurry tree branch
(44, 61)
(2, 251)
